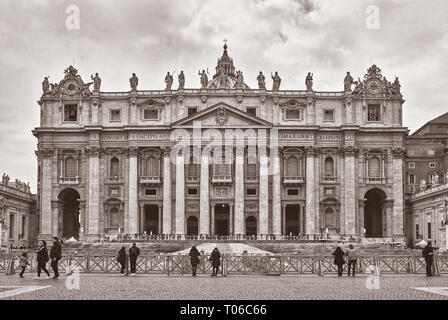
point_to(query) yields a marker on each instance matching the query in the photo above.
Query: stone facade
(221, 159)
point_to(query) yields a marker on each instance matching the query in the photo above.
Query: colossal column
(94, 190)
(133, 205)
(350, 192)
(180, 193)
(166, 191)
(204, 213)
(276, 193)
(397, 191)
(239, 190)
(263, 210)
(46, 212)
(310, 197)
(95, 111)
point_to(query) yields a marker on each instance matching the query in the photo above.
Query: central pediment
(222, 115)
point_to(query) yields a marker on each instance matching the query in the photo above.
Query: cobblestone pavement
(225, 288)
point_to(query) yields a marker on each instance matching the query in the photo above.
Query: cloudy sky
(149, 38)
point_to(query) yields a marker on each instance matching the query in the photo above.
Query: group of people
(43, 258)
(352, 257)
(215, 259)
(134, 252)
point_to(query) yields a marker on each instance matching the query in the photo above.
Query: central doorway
(373, 213)
(151, 224)
(222, 217)
(70, 214)
(292, 213)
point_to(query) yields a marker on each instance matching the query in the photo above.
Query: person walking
(215, 259)
(42, 259)
(194, 259)
(352, 255)
(55, 256)
(339, 260)
(428, 253)
(121, 258)
(23, 262)
(134, 252)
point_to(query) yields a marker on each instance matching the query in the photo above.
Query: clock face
(374, 86)
(71, 87)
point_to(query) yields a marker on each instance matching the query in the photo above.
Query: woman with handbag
(339, 260)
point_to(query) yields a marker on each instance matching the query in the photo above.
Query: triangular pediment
(292, 104)
(222, 115)
(150, 103)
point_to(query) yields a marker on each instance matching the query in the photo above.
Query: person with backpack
(215, 259)
(339, 260)
(134, 252)
(121, 258)
(194, 259)
(55, 256)
(23, 262)
(42, 259)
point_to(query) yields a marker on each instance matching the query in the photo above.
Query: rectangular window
(251, 170)
(417, 231)
(411, 165)
(251, 191)
(252, 111)
(430, 152)
(432, 165)
(23, 226)
(150, 192)
(329, 191)
(192, 110)
(70, 113)
(373, 112)
(151, 114)
(114, 191)
(411, 178)
(11, 226)
(329, 115)
(293, 114)
(429, 230)
(293, 192)
(192, 191)
(115, 115)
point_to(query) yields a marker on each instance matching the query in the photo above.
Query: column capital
(310, 151)
(132, 151)
(361, 203)
(398, 153)
(166, 150)
(350, 151)
(45, 152)
(93, 151)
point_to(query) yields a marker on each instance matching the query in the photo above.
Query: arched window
(374, 167)
(329, 167)
(330, 219)
(152, 167)
(70, 167)
(114, 216)
(114, 167)
(292, 166)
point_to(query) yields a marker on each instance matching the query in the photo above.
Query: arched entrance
(251, 226)
(292, 220)
(192, 225)
(222, 219)
(374, 211)
(151, 225)
(70, 213)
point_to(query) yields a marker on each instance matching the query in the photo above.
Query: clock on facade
(374, 86)
(71, 87)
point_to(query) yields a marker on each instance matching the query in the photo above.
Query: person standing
(339, 260)
(55, 256)
(42, 259)
(194, 259)
(134, 252)
(23, 262)
(428, 253)
(121, 258)
(215, 258)
(352, 255)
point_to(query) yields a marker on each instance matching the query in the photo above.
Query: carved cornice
(45, 152)
(166, 150)
(132, 151)
(93, 151)
(398, 152)
(310, 150)
(350, 151)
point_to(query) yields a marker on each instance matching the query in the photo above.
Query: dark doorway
(373, 213)
(292, 213)
(70, 213)
(151, 225)
(192, 225)
(251, 226)
(222, 212)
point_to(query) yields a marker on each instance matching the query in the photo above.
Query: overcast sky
(149, 38)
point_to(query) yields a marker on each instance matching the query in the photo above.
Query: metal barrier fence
(236, 264)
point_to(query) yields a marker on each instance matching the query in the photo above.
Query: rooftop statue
(261, 81)
(181, 79)
(134, 82)
(45, 85)
(168, 81)
(239, 80)
(422, 185)
(204, 79)
(348, 81)
(309, 82)
(96, 82)
(397, 85)
(276, 81)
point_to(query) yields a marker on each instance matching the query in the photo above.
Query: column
(350, 192)
(231, 220)
(303, 219)
(361, 206)
(283, 220)
(159, 221)
(142, 218)
(212, 220)
(204, 214)
(348, 111)
(310, 196)
(46, 211)
(276, 194)
(93, 189)
(133, 111)
(95, 112)
(239, 191)
(389, 219)
(263, 194)
(397, 191)
(82, 219)
(180, 193)
(133, 205)
(166, 229)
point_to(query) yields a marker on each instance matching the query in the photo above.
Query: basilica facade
(221, 159)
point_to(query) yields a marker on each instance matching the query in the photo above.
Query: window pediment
(292, 104)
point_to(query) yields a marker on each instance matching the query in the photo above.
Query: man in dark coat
(194, 259)
(428, 253)
(42, 259)
(55, 256)
(215, 259)
(134, 252)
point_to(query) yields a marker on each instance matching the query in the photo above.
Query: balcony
(251, 179)
(222, 179)
(376, 180)
(150, 180)
(114, 179)
(291, 180)
(69, 180)
(328, 179)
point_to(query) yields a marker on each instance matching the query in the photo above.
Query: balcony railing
(69, 180)
(376, 180)
(222, 179)
(251, 179)
(431, 189)
(150, 180)
(293, 180)
(328, 179)
(114, 179)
